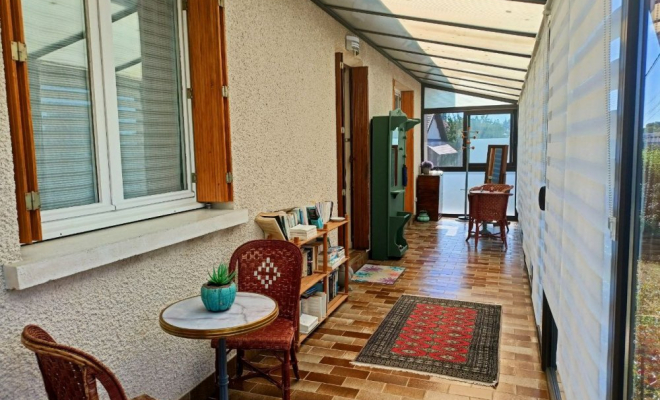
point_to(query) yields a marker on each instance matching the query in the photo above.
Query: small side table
(189, 319)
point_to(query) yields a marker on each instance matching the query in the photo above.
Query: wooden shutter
(361, 211)
(20, 121)
(210, 108)
(408, 107)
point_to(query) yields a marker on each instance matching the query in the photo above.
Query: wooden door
(408, 107)
(339, 108)
(361, 157)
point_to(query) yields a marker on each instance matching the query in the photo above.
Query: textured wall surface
(281, 68)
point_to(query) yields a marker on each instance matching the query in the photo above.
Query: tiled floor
(439, 264)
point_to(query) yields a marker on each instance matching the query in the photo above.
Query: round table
(189, 319)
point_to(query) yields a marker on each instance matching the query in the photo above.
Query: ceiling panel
(477, 46)
(462, 74)
(457, 65)
(497, 14)
(462, 83)
(485, 93)
(450, 51)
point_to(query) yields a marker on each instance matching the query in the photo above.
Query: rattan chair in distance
(272, 268)
(69, 373)
(488, 205)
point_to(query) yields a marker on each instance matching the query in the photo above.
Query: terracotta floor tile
(437, 265)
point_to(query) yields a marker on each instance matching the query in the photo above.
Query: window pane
(58, 68)
(444, 142)
(147, 70)
(489, 129)
(646, 346)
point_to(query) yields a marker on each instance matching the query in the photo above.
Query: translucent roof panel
(463, 84)
(451, 51)
(456, 65)
(487, 43)
(504, 15)
(440, 72)
(434, 98)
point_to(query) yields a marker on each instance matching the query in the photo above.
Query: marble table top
(188, 318)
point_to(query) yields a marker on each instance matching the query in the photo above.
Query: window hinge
(189, 93)
(341, 65)
(193, 177)
(343, 130)
(221, 3)
(343, 192)
(225, 91)
(32, 201)
(230, 177)
(184, 5)
(19, 51)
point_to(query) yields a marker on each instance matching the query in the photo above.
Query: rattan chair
(272, 268)
(488, 207)
(68, 373)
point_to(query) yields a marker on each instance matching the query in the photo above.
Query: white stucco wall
(281, 68)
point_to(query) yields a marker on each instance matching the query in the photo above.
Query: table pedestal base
(223, 378)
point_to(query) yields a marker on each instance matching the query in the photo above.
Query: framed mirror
(497, 157)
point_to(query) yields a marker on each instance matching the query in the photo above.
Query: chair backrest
(272, 268)
(493, 187)
(489, 206)
(68, 373)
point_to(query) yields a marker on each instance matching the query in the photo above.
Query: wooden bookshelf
(323, 271)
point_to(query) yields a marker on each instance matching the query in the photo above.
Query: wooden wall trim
(360, 133)
(408, 107)
(339, 116)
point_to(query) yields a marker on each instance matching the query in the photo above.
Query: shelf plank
(307, 282)
(336, 302)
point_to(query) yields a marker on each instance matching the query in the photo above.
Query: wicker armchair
(70, 374)
(488, 207)
(272, 268)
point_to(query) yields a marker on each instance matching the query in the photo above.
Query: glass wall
(645, 370)
(448, 117)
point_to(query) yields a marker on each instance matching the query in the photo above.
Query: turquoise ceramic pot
(218, 298)
(423, 216)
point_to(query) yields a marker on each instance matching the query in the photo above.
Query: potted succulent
(219, 293)
(426, 167)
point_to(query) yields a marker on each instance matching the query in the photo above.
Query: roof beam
(455, 59)
(464, 79)
(453, 90)
(433, 21)
(505, 53)
(458, 70)
(471, 87)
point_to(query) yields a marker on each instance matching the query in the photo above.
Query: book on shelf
(315, 305)
(312, 256)
(318, 287)
(303, 232)
(285, 225)
(307, 323)
(336, 256)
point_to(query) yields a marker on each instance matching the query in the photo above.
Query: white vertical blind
(574, 249)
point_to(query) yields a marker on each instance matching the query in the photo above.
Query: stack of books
(336, 256)
(279, 224)
(302, 232)
(308, 323)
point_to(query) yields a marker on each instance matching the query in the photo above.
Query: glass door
(644, 373)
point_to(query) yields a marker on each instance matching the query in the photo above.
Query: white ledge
(58, 258)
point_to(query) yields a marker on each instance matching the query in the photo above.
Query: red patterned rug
(453, 339)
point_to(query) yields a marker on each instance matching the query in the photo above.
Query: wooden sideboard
(428, 195)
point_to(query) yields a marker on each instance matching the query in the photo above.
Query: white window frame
(112, 209)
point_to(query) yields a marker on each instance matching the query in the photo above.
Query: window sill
(59, 258)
